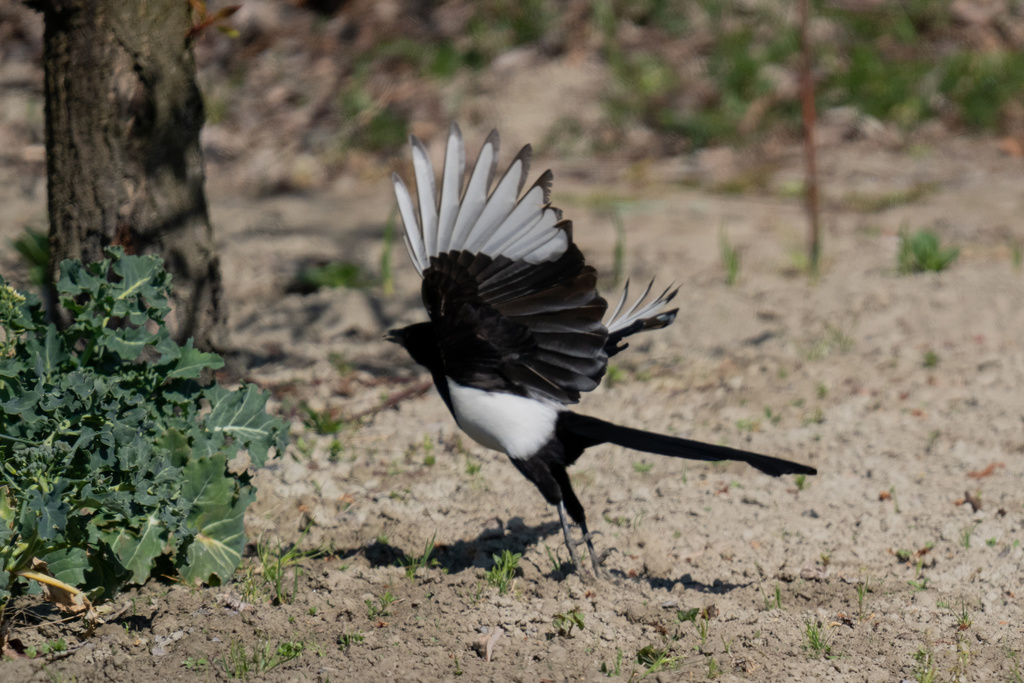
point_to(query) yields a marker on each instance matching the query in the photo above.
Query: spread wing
(515, 326)
(513, 304)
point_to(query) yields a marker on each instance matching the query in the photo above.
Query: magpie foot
(587, 538)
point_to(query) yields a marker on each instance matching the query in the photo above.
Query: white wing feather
(498, 207)
(526, 214)
(617, 321)
(451, 188)
(539, 234)
(496, 225)
(427, 192)
(476, 192)
(413, 237)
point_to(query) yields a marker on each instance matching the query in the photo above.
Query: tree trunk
(124, 165)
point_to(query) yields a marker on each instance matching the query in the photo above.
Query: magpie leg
(590, 546)
(569, 543)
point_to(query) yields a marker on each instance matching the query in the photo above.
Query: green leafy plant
(819, 639)
(334, 274)
(347, 640)
(413, 564)
(923, 252)
(654, 659)
(688, 615)
(553, 558)
(615, 669)
(703, 627)
(34, 247)
(966, 533)
(730, 258)
(323, 422)
(195, 663)
(1016, 675)
(862, 591)
(504, 570)
(565, 621)
(113, 452)
(925, 671)
(429, 459)
(773, 601)
(262, 658)
(51, 647)
(963, 616)
(920, 584)
(381, 609)
(269, 580)
(714, 670)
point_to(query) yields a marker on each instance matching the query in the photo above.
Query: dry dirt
(831, 372)
(904, 553)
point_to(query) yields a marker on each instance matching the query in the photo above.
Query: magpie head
(419, 341)
(398, 336)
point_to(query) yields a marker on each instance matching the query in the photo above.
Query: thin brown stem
(809, 116)
(394, 400)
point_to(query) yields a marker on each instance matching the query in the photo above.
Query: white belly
(511, 424)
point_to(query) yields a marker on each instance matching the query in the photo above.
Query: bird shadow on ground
(466, 554)
(717, 587)
(478, 554)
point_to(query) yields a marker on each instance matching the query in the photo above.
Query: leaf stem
(49, 580)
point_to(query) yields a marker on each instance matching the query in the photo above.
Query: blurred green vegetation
(710, 71)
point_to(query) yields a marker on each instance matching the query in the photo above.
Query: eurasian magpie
(516, 332)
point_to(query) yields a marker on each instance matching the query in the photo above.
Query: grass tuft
(730, 258)
(923, 252)
(502, 574)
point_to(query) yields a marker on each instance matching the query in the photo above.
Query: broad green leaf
(68, 565)
(46, 515)
(176, 444)
(205, 486)
(128, 342)
(168, 350)
(105, 575)
(216, 520)
(82, 384)
(137, 551)
(242, 414)
(76, 278)
(192, 362)
(52, 354)
(141, 276)
(204, 443)
(216, 549)
(12, 368)
(23, 404)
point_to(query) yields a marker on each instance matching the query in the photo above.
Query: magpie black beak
(394, 336)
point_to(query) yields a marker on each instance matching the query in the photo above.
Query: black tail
(578, 432)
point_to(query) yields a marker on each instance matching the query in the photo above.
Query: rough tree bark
(124, 165)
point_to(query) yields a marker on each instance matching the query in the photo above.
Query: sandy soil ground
(903, 554)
